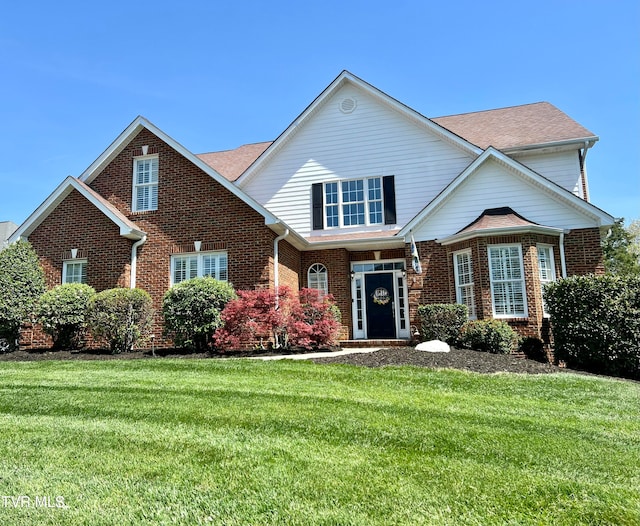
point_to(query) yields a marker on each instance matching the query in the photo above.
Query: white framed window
(194, 265)
(546, 269)
(506, 274)
(354, 202)
(317, 278)
(145, 183)
(463, 272)
(74, 271)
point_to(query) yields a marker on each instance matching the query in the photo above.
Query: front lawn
(248, 442)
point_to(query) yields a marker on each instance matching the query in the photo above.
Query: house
(497, 203)
(6, 229)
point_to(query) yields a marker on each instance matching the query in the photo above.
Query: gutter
(134, 259)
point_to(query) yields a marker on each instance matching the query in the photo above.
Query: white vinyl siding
(506, 273)
(563, 168)
(188, 266)
(317, 278)
(491, 186)
(372, 140)
(546, 268)
(145, 184)
(463, 272)
(74, 271)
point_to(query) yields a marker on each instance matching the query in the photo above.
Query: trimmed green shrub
(492, 336)
(62, 312)
(596, 323)
(533, 348)
(21, 284)
(120, 317)
(191, 311)
(442, 321)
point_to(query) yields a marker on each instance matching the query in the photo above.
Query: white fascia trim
(504, 231)
(579, 143)
(556, 191)
(57, 196)
(358, 244)
(342, 79)
(134, 128)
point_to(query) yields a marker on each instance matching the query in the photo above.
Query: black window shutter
(317, 206)
(389, 192)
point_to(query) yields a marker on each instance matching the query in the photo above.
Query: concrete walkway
(327, 354)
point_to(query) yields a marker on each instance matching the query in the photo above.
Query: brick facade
(192, 207)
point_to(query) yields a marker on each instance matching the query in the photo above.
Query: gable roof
(135, 127)
(341, 80)
(554, 190)
(516, 127)
(127, 228)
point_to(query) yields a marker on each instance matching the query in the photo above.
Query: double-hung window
(463, 272)
(145, 184)
(353, 202)
(74, 271)
(546, 269)
(187, 266)
(506, 274)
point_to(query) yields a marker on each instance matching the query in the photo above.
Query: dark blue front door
(379, 293)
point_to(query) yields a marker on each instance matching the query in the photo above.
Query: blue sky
(215, 75)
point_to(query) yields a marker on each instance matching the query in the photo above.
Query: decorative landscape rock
(433, 346)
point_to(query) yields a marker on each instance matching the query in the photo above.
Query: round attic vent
(348, 105)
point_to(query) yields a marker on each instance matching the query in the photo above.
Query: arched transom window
(317, 278)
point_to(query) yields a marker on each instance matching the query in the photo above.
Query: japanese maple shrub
(62, 312)
(192, 311)
(280, 319)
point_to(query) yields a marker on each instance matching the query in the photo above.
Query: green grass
(249, 442)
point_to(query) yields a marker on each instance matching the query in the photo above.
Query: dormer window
(145, 183)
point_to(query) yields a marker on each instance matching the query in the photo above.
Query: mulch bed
(463, 359)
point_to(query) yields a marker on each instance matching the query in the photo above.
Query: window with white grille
(74, 271)
(145, 184)
(463, 272)
(546, 269)
(506, 274)
(188, 266)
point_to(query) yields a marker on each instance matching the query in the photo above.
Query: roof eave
(568, 144)
(502, 231)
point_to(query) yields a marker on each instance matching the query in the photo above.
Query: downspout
(276, 273)
(583, 170)
(563, 263)
(134, 259)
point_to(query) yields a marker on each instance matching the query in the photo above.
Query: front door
(379, 297)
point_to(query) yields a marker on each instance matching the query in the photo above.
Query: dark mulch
(464, 359)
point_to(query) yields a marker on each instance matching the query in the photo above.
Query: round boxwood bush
(492, 336)
(191, 311)
(62, 312)
(121, 317)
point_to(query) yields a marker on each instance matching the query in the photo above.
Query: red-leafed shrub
(263, 318)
